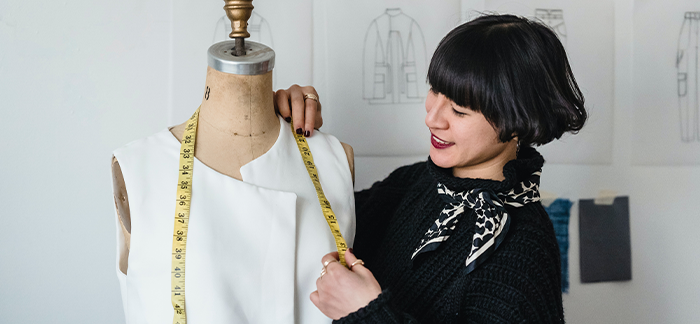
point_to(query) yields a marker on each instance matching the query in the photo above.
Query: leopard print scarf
(492, 218)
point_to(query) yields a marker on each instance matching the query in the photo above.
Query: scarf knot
(492, 220)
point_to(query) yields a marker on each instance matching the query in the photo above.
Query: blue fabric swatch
(560, 212)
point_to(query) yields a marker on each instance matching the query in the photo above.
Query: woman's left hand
(341, 291)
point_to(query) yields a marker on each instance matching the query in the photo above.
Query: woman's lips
(438, 143)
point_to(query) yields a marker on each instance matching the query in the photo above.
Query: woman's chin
(440, 159)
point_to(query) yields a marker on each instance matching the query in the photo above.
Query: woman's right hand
(305, 114)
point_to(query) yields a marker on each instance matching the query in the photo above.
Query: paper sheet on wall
(284, 25)
(586, 29)
(605, 248)
(371, 68)
(666, 89)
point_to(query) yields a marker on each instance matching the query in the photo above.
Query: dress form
(237, 120)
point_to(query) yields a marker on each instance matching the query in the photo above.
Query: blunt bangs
(513, 71)
(459, 74)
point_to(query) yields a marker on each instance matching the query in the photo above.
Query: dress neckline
(274, 146)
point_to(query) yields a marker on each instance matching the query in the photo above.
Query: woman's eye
(458, 113)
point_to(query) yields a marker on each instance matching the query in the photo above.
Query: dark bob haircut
(515, 72)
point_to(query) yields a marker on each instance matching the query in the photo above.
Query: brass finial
(239, 11)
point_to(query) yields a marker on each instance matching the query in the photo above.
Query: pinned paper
(547, 198)
(606, 197)
(605, 247)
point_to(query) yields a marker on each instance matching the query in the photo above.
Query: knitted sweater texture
(518, 283)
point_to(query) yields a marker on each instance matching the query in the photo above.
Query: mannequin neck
(239, 105)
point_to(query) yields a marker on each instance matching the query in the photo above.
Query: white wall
(80, 78)
(77, 80)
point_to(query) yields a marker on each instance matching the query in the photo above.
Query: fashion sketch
(394, 60)
(688, 89)
(554, 18)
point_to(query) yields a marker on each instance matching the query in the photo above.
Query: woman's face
(464, 140)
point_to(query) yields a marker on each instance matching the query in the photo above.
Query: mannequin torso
(237, 124)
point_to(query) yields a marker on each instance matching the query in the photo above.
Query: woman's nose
(435, 108)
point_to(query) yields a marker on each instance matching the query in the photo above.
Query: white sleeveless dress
(254, 247)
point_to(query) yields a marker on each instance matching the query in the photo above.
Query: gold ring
(323, 272)
(311, 96)
(325, 264)
(358, 261)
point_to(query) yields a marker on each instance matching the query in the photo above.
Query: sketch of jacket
(258, 28)
(394, 60)
(687, 62)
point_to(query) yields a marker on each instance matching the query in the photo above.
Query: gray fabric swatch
(605, 247)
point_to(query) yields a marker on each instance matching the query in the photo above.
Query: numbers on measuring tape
(308, 158)
(182, 215)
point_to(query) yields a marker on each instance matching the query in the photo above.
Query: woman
(462, 237)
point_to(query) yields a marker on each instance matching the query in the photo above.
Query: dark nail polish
(307, 134)
(299, 131)
(350, 249)
(288, 119)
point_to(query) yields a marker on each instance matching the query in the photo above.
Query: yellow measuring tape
(325, 204)
(182, 219)
(182, 212)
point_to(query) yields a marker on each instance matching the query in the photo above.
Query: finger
(311, 111)
(298, 109)
(350, 258)
(333, 256)
(282, 104)
(319, 117)
(315, 298)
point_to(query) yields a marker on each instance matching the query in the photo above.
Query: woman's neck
(491, 169)
(239, 105)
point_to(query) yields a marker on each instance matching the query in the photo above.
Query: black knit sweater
(518, 283)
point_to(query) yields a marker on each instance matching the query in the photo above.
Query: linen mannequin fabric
(254, 246)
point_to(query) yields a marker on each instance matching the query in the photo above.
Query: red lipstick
(438, 143)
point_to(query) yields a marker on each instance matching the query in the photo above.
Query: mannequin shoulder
(178, 130)
(121, 203)
(351, 159)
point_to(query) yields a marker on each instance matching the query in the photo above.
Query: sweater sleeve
(379, 311)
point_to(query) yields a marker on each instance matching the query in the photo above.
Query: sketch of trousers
(394, 60)
(554, 18)
(688, 89)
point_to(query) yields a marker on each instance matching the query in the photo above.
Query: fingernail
(299, 131)
(288, 119)
(350, 249)
(307, 134)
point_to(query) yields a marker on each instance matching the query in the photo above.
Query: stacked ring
(358, 261)
(311, 96)
(325, 264)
